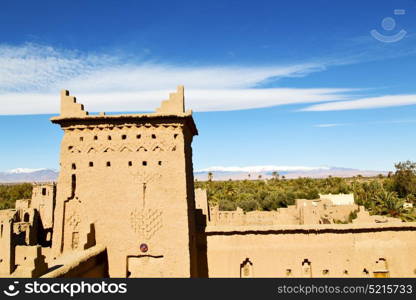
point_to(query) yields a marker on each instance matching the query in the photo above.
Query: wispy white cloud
(329, 125)
(32, 75)
(258, 169)
(371, 123)
(365, 103)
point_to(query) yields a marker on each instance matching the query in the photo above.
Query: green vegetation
(380, 195)
(12, 192)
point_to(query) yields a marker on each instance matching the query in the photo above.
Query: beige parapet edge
(314, 228)
(74, 260)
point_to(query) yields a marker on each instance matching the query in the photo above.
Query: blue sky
(282, 83)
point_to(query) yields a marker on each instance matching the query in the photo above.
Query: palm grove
(381, 195)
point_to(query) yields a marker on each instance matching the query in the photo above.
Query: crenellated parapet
(175, 103)
(70, 107)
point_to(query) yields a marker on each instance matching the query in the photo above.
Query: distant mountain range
(219, 173)
(28, 175)
(288, 172)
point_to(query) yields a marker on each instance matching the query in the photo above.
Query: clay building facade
(124, 205)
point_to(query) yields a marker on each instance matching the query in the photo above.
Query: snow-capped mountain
(23, 170)
(266, 172)
(28, 175)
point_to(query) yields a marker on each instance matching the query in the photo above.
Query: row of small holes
(108, 164)
(324, 272)
(123, 137)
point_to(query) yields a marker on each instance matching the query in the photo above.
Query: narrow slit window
(109, 137)
(74, 167)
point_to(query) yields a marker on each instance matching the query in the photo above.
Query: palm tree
(388, 203)
(210, 176)
(275, 175)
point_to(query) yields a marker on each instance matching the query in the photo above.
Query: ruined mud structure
(124, 205)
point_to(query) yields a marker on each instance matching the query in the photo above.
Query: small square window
(130, 163)
(159, 163)
(91, 164)
(108, 164)
(138, 136)
(81, 138)
(123, 137)
(73, 167)
(153, 136)
(109, 137)
(144, 163)
(95, 137)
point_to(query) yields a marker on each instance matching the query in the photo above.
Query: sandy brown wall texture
(127, 181)
(302, 251)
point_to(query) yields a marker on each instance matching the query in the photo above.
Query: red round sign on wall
(143, 248)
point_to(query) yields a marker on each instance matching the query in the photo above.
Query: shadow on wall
(201, 223)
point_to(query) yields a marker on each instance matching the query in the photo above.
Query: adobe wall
(90, 263)
(43, 199)
(332, 250)
(318, 211)
(130, 178)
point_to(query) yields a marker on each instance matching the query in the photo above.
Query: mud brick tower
(126, 182)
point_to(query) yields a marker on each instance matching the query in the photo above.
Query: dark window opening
(175, 135)
(43, 191)
(123, 136)
(138, 136)
(130, 163)
(144, 163)
(70, 147)
(153, 136)
(74, 167)
(91, 164)
(109, 137)
(81, 138)
(95, 137)
(73, 185)
(108, 164)
(26, 217)
(159, 163)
